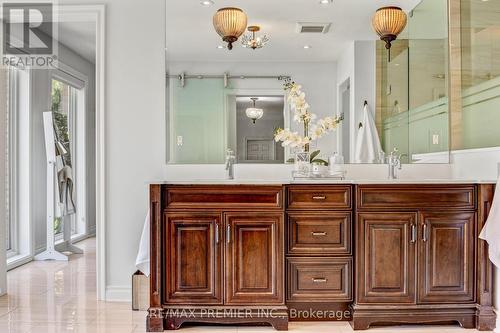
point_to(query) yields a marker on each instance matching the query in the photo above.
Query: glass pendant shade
(230, 23)
(388, 23)
(254, 113)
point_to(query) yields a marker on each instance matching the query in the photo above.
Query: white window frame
(19, 168)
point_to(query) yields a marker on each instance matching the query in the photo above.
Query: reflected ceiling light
(253, 42)
(230, 23)
(307, 47)
(206, 2)
(325, 2)
(388, 23)
(253, 112)
(221, 47)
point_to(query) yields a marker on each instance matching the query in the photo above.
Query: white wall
(318, 81)
(40, 96)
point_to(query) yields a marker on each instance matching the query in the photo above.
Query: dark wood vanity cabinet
(369, 254)
(418, 253)
(386, 257)
(446, 257)
(195, 258)
(254, 258)
(319, 260)
(217, 256)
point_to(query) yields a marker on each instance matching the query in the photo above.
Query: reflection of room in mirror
(254, 141)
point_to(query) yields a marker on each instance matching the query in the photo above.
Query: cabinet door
(446, 259)
(385, 258)
(194, 255)
(254, 258)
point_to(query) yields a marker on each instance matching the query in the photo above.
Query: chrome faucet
(230, 159)
(394, 163)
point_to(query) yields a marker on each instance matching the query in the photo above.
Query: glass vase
(302, 164)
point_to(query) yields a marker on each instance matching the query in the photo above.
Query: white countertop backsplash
(281, 174)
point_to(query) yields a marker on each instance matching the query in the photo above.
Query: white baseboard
(91, 230)
(118, 294)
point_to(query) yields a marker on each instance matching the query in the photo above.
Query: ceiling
(190, 35)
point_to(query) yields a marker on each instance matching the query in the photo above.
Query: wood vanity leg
(485, 317)
(154, 320)
(280, 324)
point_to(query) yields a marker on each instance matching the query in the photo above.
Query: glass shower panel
(480, 116)
(428, 78)
(393, 91)
(196, 121)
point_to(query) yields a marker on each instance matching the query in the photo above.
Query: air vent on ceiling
(313, 27)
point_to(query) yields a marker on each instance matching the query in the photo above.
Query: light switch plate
(179, 140)
(435, 139)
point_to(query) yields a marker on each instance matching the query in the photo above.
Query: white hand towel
(143, 258)
(368, 145)
(491, 230)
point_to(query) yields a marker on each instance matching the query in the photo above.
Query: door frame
(96, 14)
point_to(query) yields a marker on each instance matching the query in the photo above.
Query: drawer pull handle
(319, 197)
(413, 233)
(228, 234)
(315, 233)
(216, 233)
(424, 233)
(319, 280)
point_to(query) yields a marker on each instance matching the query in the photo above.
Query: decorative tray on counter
(336, 176)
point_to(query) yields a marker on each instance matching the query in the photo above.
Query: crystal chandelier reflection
(251, 41)
(253, 112)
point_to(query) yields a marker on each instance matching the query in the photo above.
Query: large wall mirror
(220, 98)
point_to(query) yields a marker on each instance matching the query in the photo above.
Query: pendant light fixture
(230, 23)
(250, 40)
(388, 23)
(253, 112)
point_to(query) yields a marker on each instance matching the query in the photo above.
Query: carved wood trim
(155, 246)
(486, 319)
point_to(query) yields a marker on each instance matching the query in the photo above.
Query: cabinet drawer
(319, 233)
(216, 196)
(416, 197)
(319, 279)
(319, 197)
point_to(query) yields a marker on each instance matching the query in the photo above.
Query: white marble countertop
(319, 181)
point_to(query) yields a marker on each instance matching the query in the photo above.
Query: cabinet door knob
(319, 197)
(319, 280)
(413, 233)
(216, 233)
(228, 234)
(318, 233)
(424, 233)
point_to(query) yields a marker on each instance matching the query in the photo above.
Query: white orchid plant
(312, 130)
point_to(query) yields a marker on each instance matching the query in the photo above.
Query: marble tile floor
(61, 297)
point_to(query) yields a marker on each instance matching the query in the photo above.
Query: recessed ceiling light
(307, 47)
(206, 2)
(325, 2)
(221, 47)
